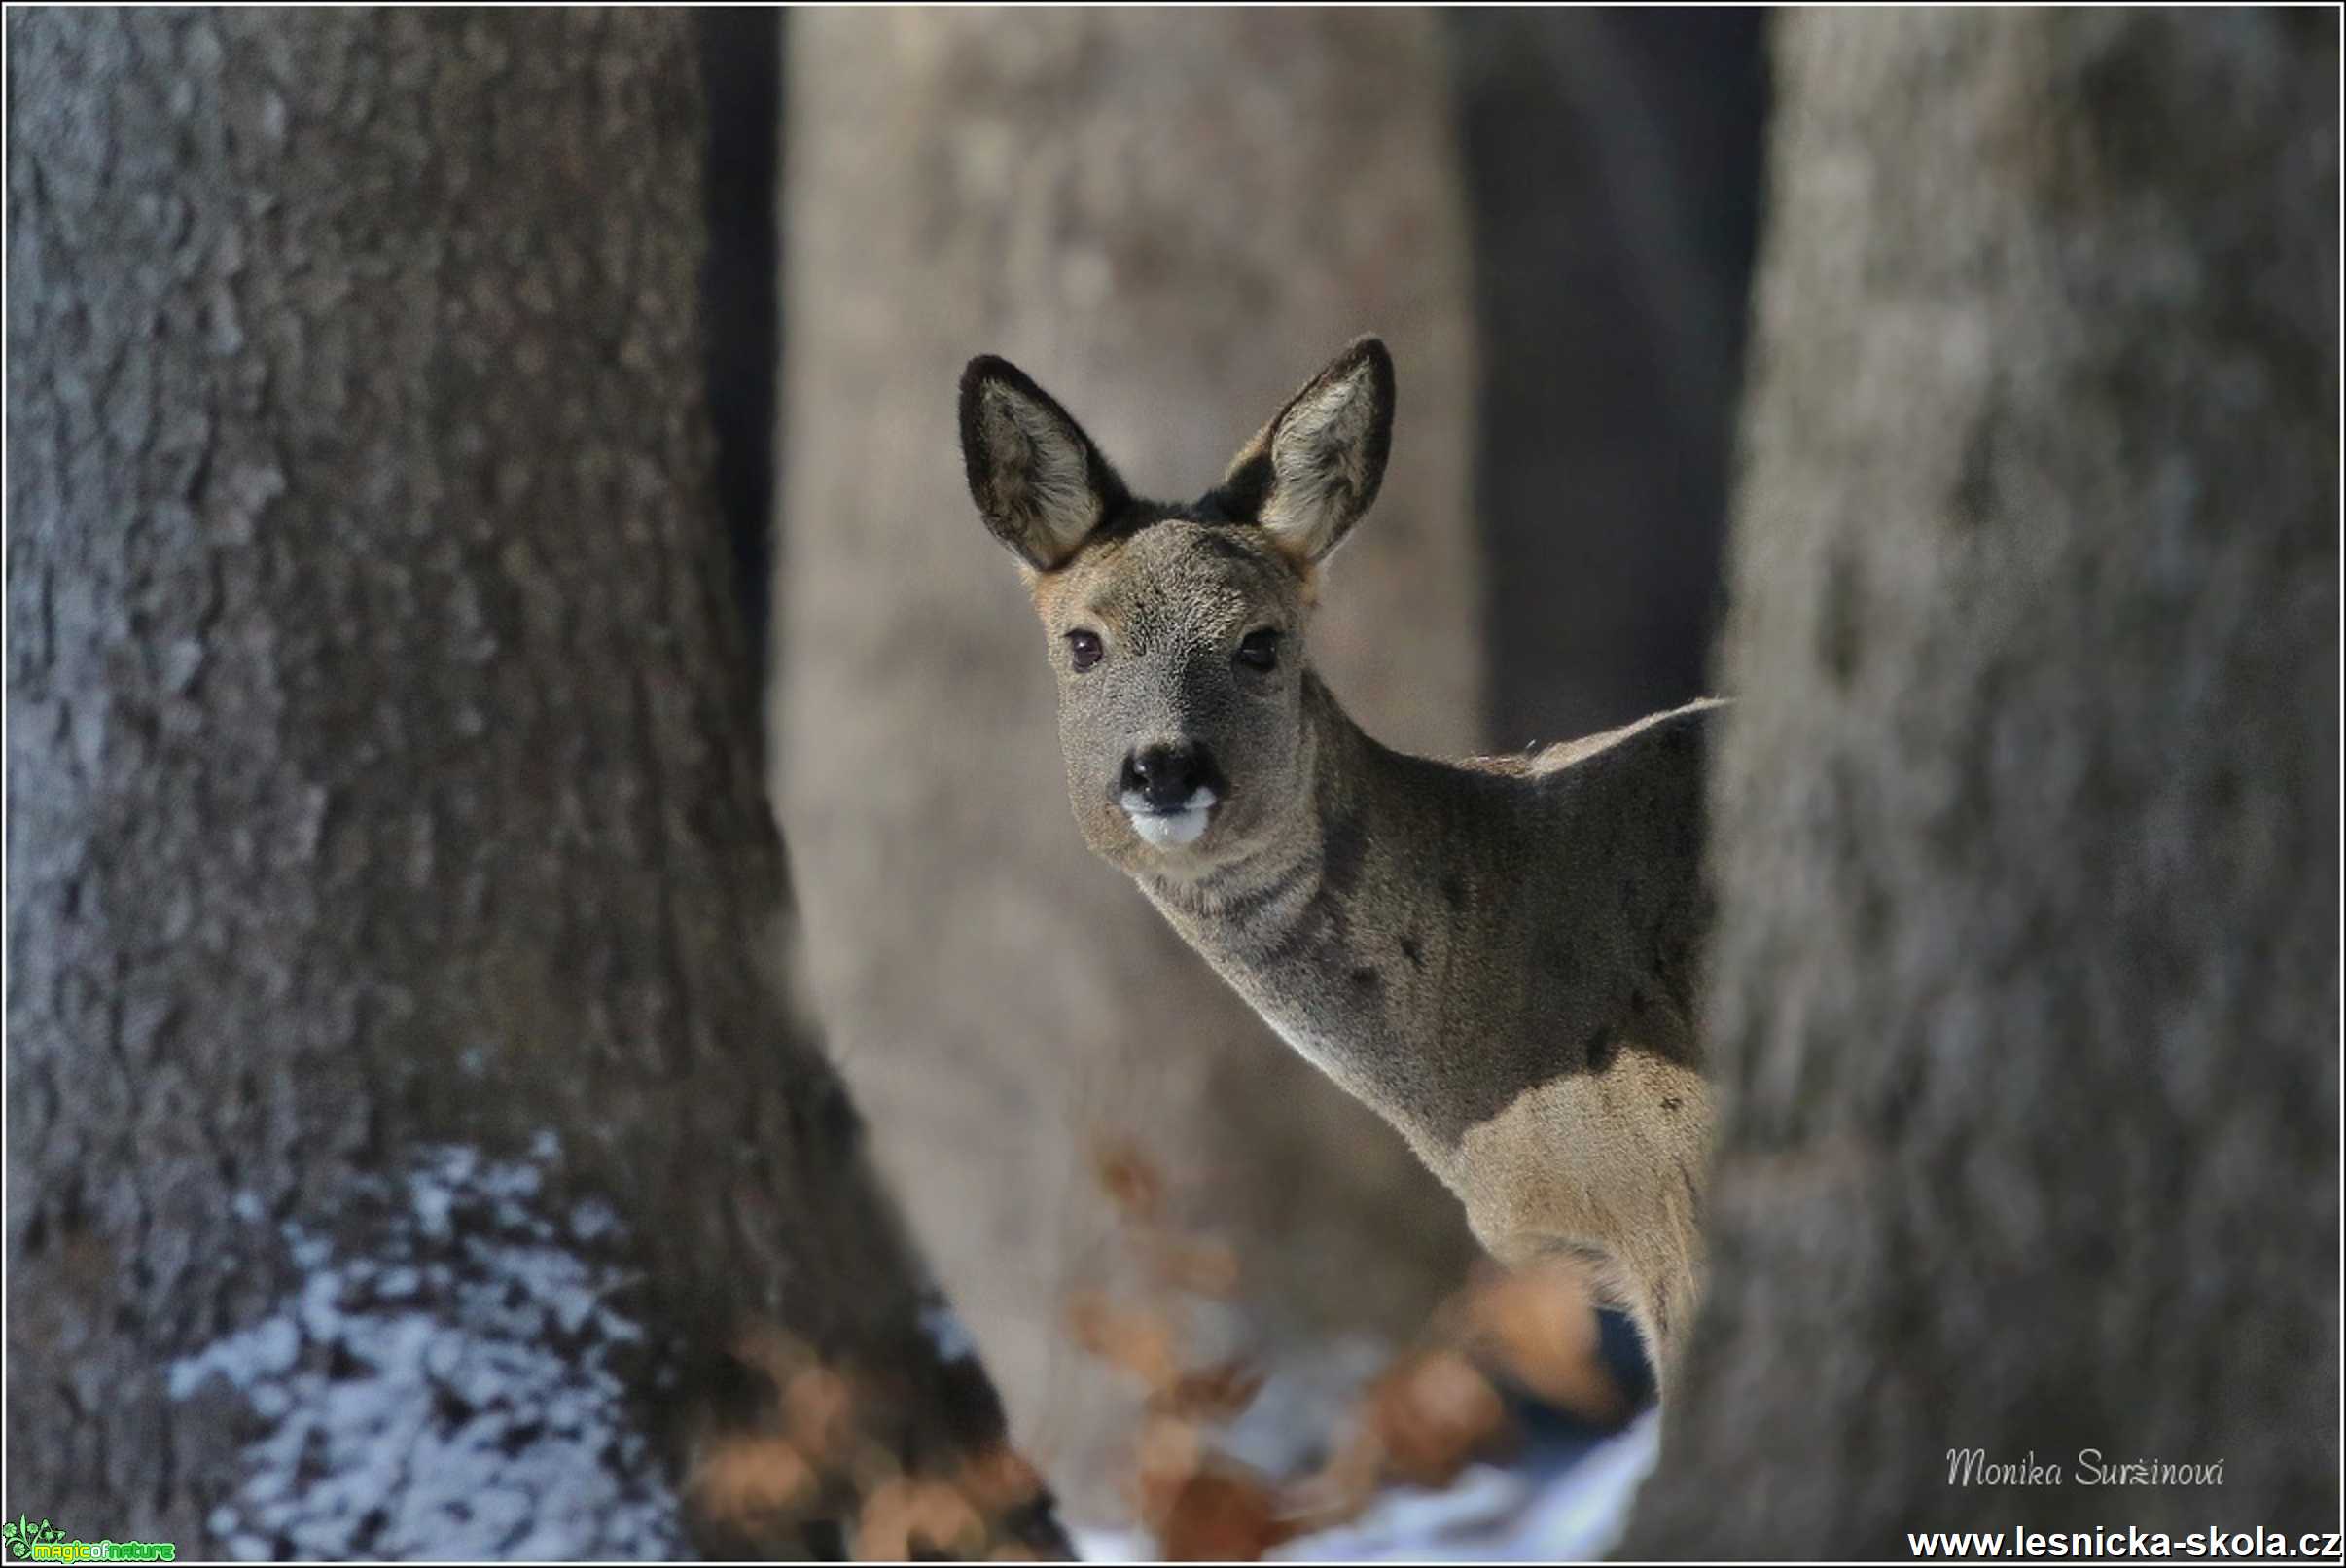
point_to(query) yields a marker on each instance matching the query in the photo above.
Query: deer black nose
(1166, 776)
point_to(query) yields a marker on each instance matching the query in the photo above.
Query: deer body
(1497, 955)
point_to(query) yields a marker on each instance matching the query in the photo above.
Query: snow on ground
(1545, 1506)
(1563, 1492)
(1563, 1497)
(447, 1382)
(446, 1389)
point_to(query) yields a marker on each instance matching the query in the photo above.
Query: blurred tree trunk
(1613, 165)
(2026, 996)
(411, 1150)
(1170, 221)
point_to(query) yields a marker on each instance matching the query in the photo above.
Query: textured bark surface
(2026, 993)
(404, 1111)
(1169, 221)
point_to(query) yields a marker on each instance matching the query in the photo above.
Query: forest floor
(1565, 1495)
(1517, 1424)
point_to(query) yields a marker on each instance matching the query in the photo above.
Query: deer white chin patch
(1170, 829)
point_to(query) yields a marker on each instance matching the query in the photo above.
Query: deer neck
(1292, 923)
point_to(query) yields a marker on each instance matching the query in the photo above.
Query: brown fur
(1498, 955)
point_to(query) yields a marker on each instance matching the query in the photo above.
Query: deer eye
(1260, 650)
(1083, 648)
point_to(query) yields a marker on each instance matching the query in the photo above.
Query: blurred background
(1170, 220)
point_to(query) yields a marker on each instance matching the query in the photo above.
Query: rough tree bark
(2026, 997)
(1169, 220)
(412, 1150)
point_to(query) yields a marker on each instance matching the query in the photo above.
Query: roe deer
(1498, 955)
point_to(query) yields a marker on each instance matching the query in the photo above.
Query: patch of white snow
(447, 1389)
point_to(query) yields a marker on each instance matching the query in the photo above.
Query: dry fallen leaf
(1433, 1412)
(1539, 1326)
(1167, 1454)
(817, 1407)
(1220, 1515)
(1140, 1341)
(1340, 1489)
(907, 1518)
(1212, 1394)
(742, 1478)
(999, 1479)
(1129, 1179)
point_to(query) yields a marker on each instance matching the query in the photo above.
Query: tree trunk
(2025, 995)
(411, 1151)
(1169, 220)
(1613, 158)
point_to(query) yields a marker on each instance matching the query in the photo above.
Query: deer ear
(1040, 483)
(1311, 473)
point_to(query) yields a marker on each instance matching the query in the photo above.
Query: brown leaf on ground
(1140, 1341)
(745, 1481)
(1167, 1453)
(1540, 1327)
(912, 1517)
(818, 1410)
(1434, 1411)
(1211, 1394)
(999, 1479)
(769, 1350)
(1222, 1515)
(1129, 1178)
(1340, 1489)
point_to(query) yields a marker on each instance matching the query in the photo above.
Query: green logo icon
(22, 1535)
(46, 1543)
